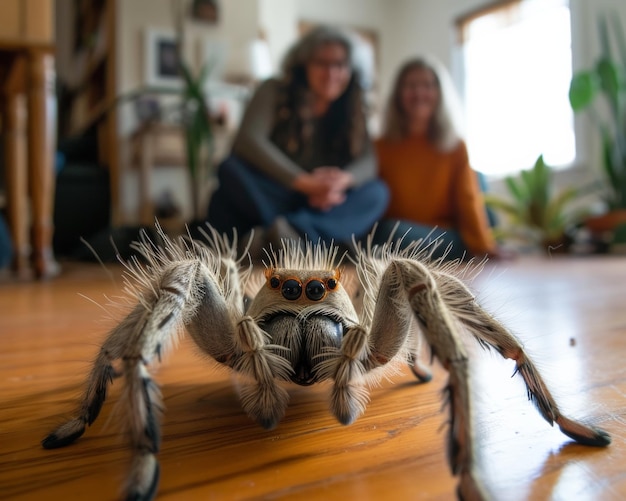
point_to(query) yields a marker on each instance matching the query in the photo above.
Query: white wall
(277, 19)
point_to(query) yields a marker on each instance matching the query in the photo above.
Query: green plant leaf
(583, 89)
(534, 214)
(543, 182)
(619, 36)
(556, 217)
(517, 191)
(603, 35)
(608, 79)
(609, 163)
(502, 205)
(611, 79)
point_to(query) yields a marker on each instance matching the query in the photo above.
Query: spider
(300, 327)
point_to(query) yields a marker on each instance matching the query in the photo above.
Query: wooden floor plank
(569, 312)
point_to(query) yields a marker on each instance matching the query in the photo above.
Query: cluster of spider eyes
(291, 288)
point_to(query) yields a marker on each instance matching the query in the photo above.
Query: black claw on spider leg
(583, 434)
(64, 434)
(422, 375)
(600, 439)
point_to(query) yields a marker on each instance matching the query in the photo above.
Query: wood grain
(570, 313)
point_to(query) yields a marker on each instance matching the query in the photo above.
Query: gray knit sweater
(253, 144)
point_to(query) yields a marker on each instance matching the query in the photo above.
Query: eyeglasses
(330, 64)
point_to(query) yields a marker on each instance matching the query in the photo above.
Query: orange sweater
(435, 189)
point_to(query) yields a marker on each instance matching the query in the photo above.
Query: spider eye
(315, 290)
(331, 283)
(274, 282)
(292, 289)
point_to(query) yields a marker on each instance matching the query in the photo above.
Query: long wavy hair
(344, 125)
(445, 130)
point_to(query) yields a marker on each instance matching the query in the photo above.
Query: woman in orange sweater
(423, 159)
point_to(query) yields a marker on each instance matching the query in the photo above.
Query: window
(517, 65)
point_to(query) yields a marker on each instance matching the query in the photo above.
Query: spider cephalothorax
(299, 325)
(305, 314)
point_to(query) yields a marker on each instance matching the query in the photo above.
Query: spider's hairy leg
(490, 332)
(409, 289)
(148, 331)
(143, 408)
(101, 375)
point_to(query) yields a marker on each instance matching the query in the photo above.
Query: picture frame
(161, 59)
(205, 11)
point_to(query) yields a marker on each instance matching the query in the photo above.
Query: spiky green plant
(534, 214)
(198, 131)
(607, 79)
(193, 108)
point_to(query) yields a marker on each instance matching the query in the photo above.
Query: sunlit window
(517, 68)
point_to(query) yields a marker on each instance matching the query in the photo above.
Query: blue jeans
(410, 231)
(6, 247)
(246, 198)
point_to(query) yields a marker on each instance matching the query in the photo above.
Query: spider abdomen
(306, 341)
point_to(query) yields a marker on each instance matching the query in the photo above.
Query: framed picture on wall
(162, 63)
(205, 11)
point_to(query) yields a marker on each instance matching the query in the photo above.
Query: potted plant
(534, 214)
(194, 113)
(606, 81)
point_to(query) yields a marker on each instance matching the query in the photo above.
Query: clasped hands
(325, 187)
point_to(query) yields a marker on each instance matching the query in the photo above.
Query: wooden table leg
(13, 124)
(41, 105)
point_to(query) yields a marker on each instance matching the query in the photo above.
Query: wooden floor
(570, 313)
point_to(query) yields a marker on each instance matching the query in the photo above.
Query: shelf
(90, 101)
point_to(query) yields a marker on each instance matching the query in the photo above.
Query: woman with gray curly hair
(302, 163)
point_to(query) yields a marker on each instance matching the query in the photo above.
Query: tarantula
(302, 327)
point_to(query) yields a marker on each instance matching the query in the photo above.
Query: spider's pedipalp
(261, 396)
(349, 396)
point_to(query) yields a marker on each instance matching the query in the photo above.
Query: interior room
(117, 120)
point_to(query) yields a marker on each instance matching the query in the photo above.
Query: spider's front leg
(408, 289)
(148, 331)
